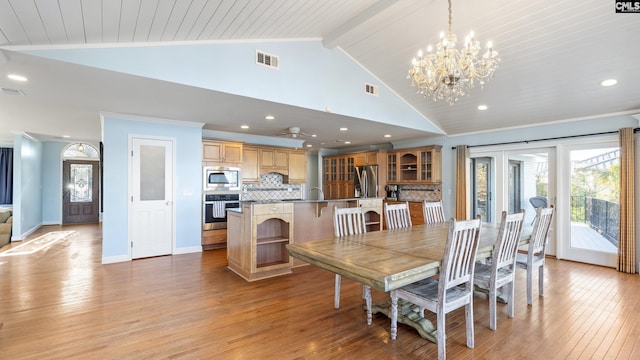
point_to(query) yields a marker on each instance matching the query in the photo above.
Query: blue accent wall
(52, 186)
(187, 186)
(27, 185)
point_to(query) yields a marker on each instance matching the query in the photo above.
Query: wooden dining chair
(534, 258)
(350, 221)
(501, 271)
(433, 212)
(454, 287)
(397, 215)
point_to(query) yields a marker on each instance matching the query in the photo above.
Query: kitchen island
(258, 232)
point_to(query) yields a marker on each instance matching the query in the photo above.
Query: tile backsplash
(420, 192)
(271, 188)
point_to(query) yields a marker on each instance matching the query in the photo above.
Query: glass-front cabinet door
(426, 165)
(392, 168)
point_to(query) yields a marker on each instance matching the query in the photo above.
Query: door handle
(168, 203)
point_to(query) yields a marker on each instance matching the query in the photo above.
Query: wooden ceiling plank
(71, 14)
(92, 21)
(10, 26)
(189, 20)
(160, 19)
(176, 19)
(29, 19)
(128, 20)
(111, 18)
(51, 17)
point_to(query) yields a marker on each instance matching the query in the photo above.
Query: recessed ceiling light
(387, 135)
(309, 145)
(609, 82)
(314, 135)
(321, 143)
(244, 126)
(344, 129)
(347, 142)
(66, 136)
(269, 117)
(482, 107)
(17, 77)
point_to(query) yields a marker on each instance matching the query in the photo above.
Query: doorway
(80, 184)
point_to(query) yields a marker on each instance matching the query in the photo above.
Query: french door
(589, 213)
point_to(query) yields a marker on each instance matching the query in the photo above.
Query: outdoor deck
(584, 237)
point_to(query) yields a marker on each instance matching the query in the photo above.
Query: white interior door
(151, 201)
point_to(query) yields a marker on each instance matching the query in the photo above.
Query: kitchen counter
(256, 230)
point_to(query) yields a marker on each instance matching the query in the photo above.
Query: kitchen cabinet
(338, 176)
(274, 160)
(217, 153)
(257, 240)
(297, 167)
(417, 165)
(214, 239)
(250, 166)
(368, 158)
(372, 209)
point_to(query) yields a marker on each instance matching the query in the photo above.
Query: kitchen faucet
(320, 192)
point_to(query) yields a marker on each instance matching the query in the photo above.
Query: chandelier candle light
(450, 73)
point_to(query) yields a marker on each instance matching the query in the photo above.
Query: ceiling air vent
(267, 60)
(371, 89)
(7, 91)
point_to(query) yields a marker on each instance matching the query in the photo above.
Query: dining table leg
(367, 299)
(394, 314)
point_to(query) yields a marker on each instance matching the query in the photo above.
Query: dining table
(389, 259)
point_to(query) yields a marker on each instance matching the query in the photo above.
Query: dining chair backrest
(540, 232)
(433, 212)
(397, 215)
(506, 247)
(348, 221)
(459, 258)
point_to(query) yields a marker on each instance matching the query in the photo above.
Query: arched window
(81, 151)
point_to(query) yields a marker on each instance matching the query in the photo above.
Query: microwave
(221, 178)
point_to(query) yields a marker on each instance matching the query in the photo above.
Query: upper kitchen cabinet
(416, 165)
(369, 158)
(274, 160)
(250, 166)
(297, 167)
(221, 153)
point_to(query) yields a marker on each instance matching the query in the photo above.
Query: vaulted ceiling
(554, 56)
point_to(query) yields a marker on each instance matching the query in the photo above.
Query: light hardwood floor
(62, 303)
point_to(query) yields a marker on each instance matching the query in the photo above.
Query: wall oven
(214, 213)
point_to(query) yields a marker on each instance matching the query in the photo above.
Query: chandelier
(450, 73)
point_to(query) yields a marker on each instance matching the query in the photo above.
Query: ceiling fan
(294, 132)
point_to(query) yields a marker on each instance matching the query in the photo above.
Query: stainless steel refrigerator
(366, 180)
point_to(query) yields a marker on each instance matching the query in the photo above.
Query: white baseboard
(115, 259)
(187, 250)
(26, 234)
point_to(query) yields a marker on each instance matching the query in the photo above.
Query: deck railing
(601, 215)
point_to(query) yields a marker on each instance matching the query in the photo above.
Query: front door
(151, 216)
(80, 196)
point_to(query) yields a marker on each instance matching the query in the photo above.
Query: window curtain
(462, 156)
(6, 175)
(626, 232)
